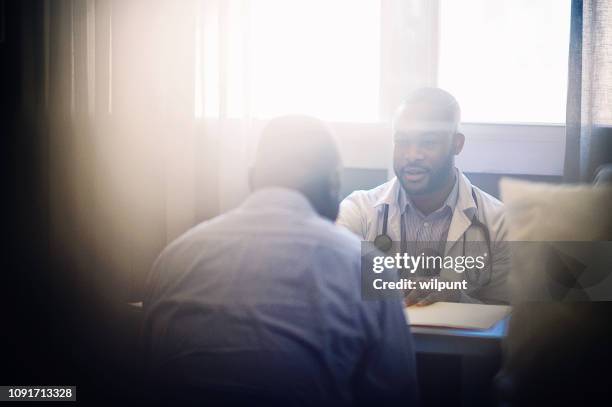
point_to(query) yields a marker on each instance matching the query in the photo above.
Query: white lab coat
(362, 213)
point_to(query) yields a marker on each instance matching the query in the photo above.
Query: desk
(460, 342)
(466, 361)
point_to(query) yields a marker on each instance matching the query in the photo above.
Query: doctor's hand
(422, 297)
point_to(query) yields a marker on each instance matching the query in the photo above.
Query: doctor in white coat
(430, 200)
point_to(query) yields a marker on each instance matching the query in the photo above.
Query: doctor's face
(424, 150)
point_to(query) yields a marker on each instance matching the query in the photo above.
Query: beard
(438, 177)
(331, 211)
(329, 208)
(323, 200)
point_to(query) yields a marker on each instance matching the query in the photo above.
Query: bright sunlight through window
(506, 60)
(316, 57)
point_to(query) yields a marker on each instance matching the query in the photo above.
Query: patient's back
(265, 302)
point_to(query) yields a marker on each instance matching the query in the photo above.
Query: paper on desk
(456, 315)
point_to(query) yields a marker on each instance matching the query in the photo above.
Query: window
(266, 58)
(315, 57)
(506, 60)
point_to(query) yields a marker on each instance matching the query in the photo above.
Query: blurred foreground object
(558, 347)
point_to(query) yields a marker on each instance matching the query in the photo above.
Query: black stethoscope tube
(383, 242)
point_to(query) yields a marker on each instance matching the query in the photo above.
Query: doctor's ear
(458, 142)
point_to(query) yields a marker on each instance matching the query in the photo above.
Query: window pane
(315, 57)
(506, 60)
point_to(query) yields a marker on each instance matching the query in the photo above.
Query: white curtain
(139, 144)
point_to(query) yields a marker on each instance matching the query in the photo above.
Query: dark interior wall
(490, 182)
(354, 179)
(600, 149)
(54, 331)
(23, 246)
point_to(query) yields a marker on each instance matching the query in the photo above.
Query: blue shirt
(267, 299)
(427, 231)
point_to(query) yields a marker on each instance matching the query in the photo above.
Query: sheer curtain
(589, 105)
(129, 99)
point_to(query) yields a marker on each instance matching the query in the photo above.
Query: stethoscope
(383, 242)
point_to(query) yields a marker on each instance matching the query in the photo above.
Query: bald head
(428, 109)
(300, 153)
(425, 142)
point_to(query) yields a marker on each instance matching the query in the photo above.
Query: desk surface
(451, 341)
(463, 342)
